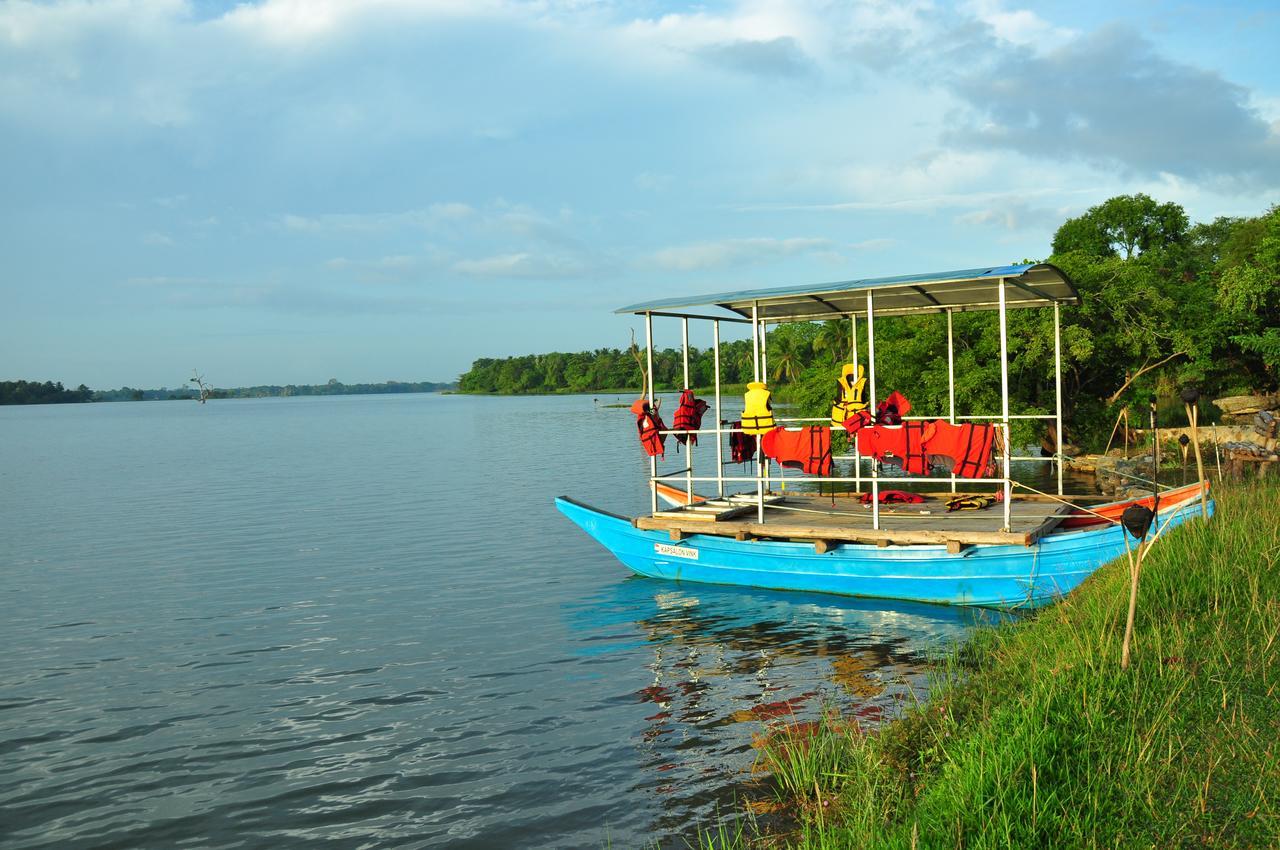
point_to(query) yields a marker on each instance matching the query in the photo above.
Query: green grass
(1034, 737)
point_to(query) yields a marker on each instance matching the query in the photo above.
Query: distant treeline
(31, 392)
(34, 392)
(605, 369)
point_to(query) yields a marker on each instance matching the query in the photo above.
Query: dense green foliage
(1036, 738)
(1164, 304)
(34, 392)
(605, 369)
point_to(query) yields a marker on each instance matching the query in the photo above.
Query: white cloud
(523, 265)
(1019, 26)
(733, 252)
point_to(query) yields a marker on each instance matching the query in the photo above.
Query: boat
(1028, 548)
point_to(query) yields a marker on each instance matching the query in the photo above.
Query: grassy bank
(1036, 738)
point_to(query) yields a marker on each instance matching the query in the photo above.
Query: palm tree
(786, 357)
(833, 340)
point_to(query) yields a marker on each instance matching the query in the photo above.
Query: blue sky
(292, 190)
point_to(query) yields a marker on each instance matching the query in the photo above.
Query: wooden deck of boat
(810, 517)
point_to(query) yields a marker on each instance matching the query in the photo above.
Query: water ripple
(360, 621)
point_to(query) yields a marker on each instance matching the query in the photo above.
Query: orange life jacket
(650, 426)
(968, 445)
(688, 416)
(808, 449)
(905, 443)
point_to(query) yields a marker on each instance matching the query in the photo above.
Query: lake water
(360, 622)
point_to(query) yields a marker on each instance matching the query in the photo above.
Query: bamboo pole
(1193, 413)
(1135, 565)
(1135, 568)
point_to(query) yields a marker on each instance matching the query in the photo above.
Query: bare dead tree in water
(198, 380)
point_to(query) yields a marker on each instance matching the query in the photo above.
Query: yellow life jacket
(851, 394)
(757, 415)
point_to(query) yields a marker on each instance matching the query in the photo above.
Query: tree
(1134, 223)
(1249, 290)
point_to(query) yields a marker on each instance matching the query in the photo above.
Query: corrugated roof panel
(1029, 285)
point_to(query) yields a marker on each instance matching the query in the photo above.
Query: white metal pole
(871, 377)
(653, 460)
(1057, 383)
(755, 341)
(684, 342)
(688, 446)
(764, 376)
(1004, 400)
(764, 352)
(951, 385)
(715, 333)
(853, 348)
(755, 362)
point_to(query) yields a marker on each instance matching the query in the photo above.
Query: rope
(1064, 501)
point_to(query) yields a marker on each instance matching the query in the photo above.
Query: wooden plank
(954, 547)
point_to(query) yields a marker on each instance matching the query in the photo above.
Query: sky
(289, 191)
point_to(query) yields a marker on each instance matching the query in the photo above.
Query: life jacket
(894, 497)
(808, 449)
(969, 446)
(857, 422)
(904, 444)
(688, 417)
(742, 447)
(757, 415)
(892, 409)
(650, 426)
(851, 394)
(971, 503)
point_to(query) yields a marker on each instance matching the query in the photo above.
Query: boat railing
(968, 300)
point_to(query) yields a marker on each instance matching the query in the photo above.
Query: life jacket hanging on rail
(742, 447)
(851, 394)
(969, 446)
(808, 449)
(650, 425)
(688, 417)
(902, 444)
(757, 415)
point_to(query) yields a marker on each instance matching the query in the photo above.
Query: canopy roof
(1030, 285)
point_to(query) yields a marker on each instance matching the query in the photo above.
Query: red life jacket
(808, 449)
(688, 417)
(968, 445)
(650, 426)
(857, 422)
(905, 443)
(742, 446)
(892, 409)
(894, 497)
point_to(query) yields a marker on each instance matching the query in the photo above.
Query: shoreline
(1034, 736)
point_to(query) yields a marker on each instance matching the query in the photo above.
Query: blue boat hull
(994, 576)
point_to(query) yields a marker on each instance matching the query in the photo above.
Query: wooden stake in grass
(1190, 397)
(1137, 521)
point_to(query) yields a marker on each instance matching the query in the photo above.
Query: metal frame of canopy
(998, 288)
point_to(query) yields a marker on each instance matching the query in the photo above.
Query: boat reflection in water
(724, 664)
